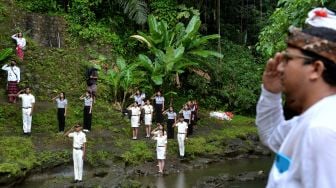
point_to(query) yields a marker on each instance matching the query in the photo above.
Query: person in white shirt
(20, 44)
(135, 119)
(78, 151)
(305, 73)
(171, 119)
(148, 110)
(139, 97)
(182, 130)
(87, 111)
(159, 134)
(62, 104)
(158, 107)
(13, 79)
(28, 102)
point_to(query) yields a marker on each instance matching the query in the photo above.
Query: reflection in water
(188, 179)
(180, 182)
(160, 182)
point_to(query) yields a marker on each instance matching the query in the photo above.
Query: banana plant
(173, 50)
(122, 78)
(5, 53)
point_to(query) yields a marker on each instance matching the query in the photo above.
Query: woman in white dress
(148, 110)
(135, 119)
(161, 145)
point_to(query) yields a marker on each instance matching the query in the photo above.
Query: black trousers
(61, 119)
(158, 113)
(87, 118)
(170, 128)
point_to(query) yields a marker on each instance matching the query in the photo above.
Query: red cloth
(12, 88)
(19, 53)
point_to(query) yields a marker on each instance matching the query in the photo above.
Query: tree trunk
(219, 28)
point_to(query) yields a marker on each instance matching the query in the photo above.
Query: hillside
(49, 70)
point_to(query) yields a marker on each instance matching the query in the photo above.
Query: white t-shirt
(135, 111)
(186, 114)
(79, 138)
(159, 99)
(13, 73)
(61, 103)
(139, 98)
(171, 115)
(182, 127)
(27, 100)
(160, 140)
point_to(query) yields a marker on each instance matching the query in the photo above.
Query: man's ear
(317, 69)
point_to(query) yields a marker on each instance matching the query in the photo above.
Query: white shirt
(186, 114)
(135, 111)
(13, 73)
(79, 138)
(148, 109)
(27, 100)
(159, 100)
(160, 140)
(182, 127)
(61, 103)
(88, 101)
(309, 140)
(21, 42)
(171, 115)
(139, 98)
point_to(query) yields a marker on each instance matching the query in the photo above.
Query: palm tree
(136, 10)
(5, 53)
(174, 49)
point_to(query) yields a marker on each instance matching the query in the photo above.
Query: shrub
(138, 153)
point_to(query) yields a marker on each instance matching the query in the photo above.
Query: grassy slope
(48, 70)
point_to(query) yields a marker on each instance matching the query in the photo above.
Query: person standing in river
(87, 111)
(78, 151)
(13, 79)
(305, 73)
(62, 104)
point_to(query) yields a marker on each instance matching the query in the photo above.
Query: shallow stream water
(188, 179)
(183, 179)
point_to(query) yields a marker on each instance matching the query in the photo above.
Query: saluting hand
(271, 76)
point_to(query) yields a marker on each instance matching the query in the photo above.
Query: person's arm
(65, 107)
(54, 98)
(18, 74)
(5, 67)
(90, 112)
(17, 94)
(163, 104)
(84, 150)
(32, 109)
(82, 97)
(272, 127)
(69, 131)
(14, 36)
(190, 116)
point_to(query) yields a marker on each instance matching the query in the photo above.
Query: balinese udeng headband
(318, 17)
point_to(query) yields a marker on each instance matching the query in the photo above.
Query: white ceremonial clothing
(28, 100)
(13, 73)
(161, 143)
(21, 42)
(79, 138)
(148, 109)
(135, 118)
(139, 99)
(309, 140)
(181, 135)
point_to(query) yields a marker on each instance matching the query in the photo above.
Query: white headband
(322, 17)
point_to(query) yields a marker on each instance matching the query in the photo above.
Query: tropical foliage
(173, 50)
(272, 37)
(5, 53)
